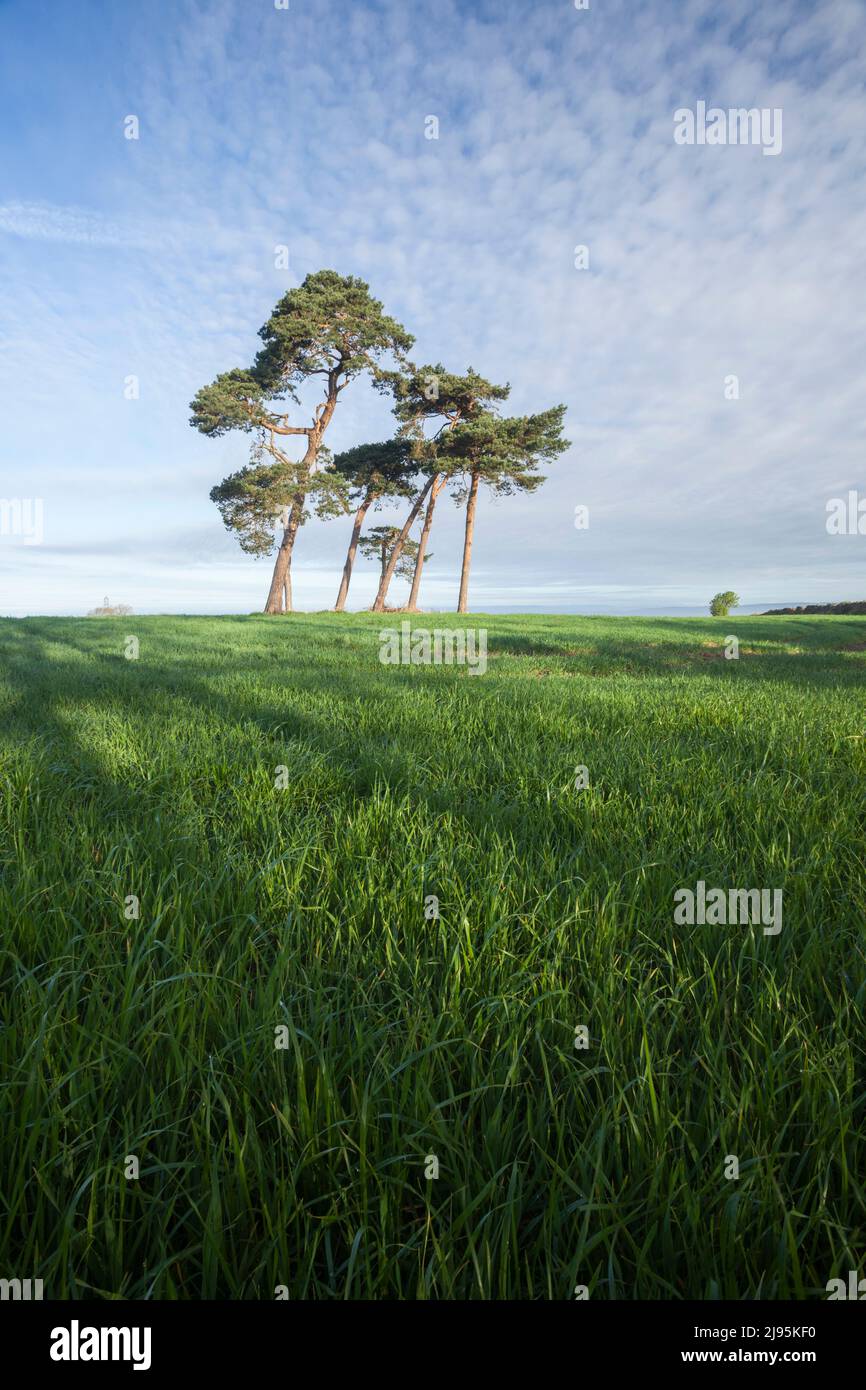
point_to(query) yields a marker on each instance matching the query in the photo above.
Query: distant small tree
(722, 603)
(379, 543)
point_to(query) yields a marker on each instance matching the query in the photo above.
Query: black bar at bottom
(157, 1339)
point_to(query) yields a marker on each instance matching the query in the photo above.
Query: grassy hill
(409, 1037)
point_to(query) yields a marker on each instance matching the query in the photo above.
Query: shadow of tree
(302, 694)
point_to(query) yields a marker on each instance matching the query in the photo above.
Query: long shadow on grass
(45, 682)
(824, 654)
(41, 687)
(149, 691)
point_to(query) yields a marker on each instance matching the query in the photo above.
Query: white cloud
(75, 226)
(306, 127)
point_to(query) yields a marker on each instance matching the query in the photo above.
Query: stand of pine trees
(450, 435)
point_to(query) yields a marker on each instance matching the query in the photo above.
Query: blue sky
(305, 127)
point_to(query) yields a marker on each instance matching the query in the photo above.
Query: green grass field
(454, 1038)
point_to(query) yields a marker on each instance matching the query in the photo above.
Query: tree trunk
(379, 604)
(467, 543)
(352, 551)
(281, 581)
(438, 485)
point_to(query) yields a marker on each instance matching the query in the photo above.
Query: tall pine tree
(331, 329)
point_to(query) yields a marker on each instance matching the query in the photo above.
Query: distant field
(410, 1039)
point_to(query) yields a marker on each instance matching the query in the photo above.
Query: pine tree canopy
(388, 467)
(329, 326)
(504, 452)
(431, 392)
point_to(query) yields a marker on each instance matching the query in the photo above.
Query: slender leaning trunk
(471, 503)
(379, 604)
(352, 551)
(438, 485)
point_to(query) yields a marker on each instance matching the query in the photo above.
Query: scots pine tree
(328, 330)
(373, 473)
